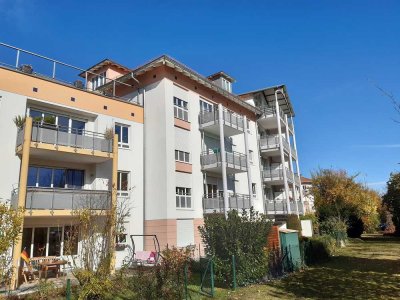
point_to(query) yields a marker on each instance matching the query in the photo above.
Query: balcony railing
(272, 142)
(66, 136)
(65, 199)
(231, 119)
(57, 71)
(233, 159)
(277, 174)
(215, 202)
(270, 112)
(280, 206)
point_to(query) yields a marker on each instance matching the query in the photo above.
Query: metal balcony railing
(280, 206)
(56, 71)
(65, 199)
(272, 142)
(277, 174)
(231, 119)
(233, 159)
(270, 112)
(215, 202)
(66, 136)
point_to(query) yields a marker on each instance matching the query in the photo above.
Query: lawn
(367, 268)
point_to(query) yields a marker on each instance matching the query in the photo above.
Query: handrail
(72, 137)
(66, 198)
(229, 117)
(57, 62)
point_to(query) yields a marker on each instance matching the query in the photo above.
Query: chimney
(223, 80)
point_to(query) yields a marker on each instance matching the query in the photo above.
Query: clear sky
(330, 54)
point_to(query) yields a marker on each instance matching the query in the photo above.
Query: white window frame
(98, 80)
(119, 183)
(251, 156)
(183, 193)
(121, 144)
(179, 154)
(181, 107)
(206, 105)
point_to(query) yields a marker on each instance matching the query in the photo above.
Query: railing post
(114, 88)
(86, 82)
(54, 69)
(52, 199)
(17, 60)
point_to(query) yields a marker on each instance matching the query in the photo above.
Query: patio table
(51, 265)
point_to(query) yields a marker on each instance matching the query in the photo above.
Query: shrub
(318, 249)
(335, 228)
(293, 222)
(164, 281)
(245, 237)
(355, 227)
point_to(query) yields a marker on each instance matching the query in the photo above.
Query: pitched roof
(306, 180)
(180, 67)
(103, 63)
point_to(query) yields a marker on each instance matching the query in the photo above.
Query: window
(251, 156)
(182, 156)
(123, 135)
(183, 197)
(63, 123)
(123, 183)
(205, 106)
(55, 177)
(181, 109)
(226, 85)
(98, 80)
(254, 189)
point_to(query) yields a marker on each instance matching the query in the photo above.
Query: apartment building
(184, 145)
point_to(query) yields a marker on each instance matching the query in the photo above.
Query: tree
(338, 195)
(10, 226)
(392, 200)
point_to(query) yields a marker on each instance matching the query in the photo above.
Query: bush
(335, 228)
(318, 249)
(355, 227)
(293, 222)
(164, 281)
(245, 237)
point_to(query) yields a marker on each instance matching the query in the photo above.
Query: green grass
(367, 268)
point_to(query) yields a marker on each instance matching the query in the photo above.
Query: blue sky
(329, 54)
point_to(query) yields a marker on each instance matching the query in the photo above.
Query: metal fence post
(233, 272)
(54, 69)
(68, 292)
(212, 277)
(17, 60)
(186, 282)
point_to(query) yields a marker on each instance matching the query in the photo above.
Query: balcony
(48, 141)
(269, 146)
(279, 206)
(275, 175)
(212, 162)
(233, 123)
(268, 118)
(215, 202)
(62, 201)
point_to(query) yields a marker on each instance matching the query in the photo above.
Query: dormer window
(98, 80)
(226, 85)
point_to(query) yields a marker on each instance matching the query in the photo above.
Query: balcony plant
(49, 120)
(19, 121)
(26, 69)
(109, 133)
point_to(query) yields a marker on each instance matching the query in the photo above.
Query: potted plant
(26, 69)
(78, 84)
(109, 133)
(19, 121)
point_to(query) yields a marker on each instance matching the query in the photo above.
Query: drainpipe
(291, 166)
(278, 117)
(223, 158)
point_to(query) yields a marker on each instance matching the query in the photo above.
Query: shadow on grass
(346, 278)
